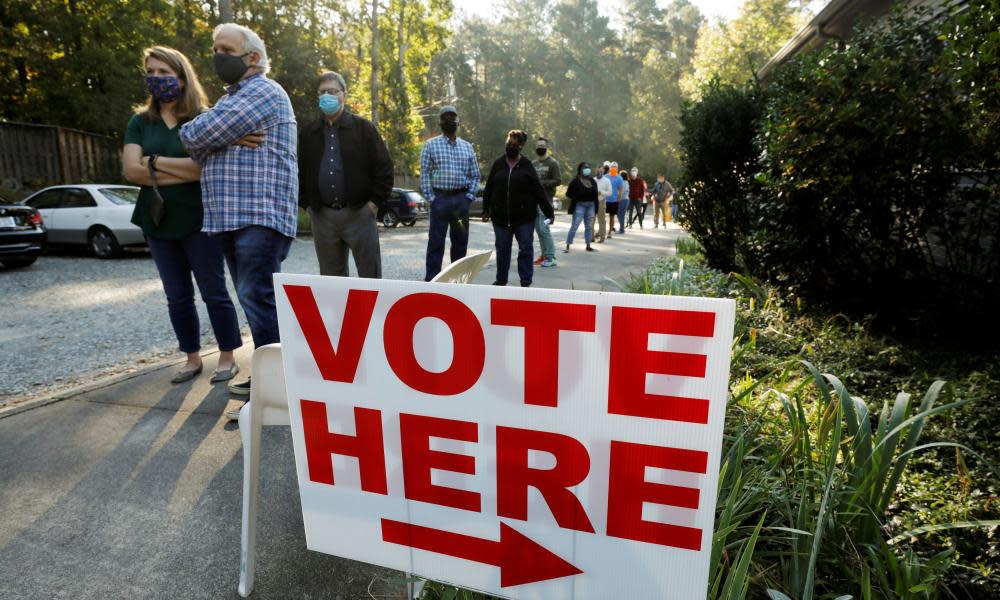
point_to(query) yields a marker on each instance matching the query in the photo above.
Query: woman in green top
(169, 210)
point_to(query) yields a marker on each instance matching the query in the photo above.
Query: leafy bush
(862, 144)
(872, 184)
(719, 164)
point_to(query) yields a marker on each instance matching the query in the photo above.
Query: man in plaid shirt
(449, 176)
(246, 145)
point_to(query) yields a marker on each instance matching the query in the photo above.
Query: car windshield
(414, 196)
(121, 195)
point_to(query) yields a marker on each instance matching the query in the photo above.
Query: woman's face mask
(164, 88)
(586, 171)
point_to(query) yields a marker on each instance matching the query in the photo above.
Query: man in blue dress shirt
(449, 176)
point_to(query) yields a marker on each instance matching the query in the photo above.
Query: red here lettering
(418, 459)
(542, 322)
(341, 364)
(631, 360)
(468, 344)
(366, 445)
(628, 489)
(514, 476)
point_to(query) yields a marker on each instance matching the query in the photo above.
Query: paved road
(133, 490)
(73, 318)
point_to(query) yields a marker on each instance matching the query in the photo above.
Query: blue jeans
(583, 212)
(525, 251)
(622, 209)
(176, 260)
(548, 247)
(254, 255)
(449, 215)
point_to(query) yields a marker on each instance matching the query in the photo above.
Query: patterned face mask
(164, 89)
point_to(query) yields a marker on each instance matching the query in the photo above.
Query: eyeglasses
(330, 92)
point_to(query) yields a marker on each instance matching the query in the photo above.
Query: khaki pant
(602, 220)
(337, 232)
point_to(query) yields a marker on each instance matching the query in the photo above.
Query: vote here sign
(528, 443)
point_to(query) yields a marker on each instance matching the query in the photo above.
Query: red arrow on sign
(520, 559)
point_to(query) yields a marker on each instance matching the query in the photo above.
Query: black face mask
(449, 127)
(512, 150)
(230, 68)
(541, 151)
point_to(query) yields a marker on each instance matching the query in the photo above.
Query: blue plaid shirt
(247, 186)
(448, 166)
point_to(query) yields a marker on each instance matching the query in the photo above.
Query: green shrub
(304, 222)
(719, 163)
(861, 144)
(865, 176)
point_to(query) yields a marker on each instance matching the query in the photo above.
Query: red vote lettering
(628, 489)
(340, 364)
(542, 322)
(514, 476)
(418, 459)
(631, 360)
(366, 445)
(468, 344)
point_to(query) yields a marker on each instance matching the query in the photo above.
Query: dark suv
(403, 206)
(22, 235)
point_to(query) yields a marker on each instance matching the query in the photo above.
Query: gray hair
(333, 76)
(251, 42)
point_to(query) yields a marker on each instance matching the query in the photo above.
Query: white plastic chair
(464, 269)
(268, 405)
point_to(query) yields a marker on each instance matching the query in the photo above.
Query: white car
(97, 215)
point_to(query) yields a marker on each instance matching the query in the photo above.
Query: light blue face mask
(329, 104)
(586, 172)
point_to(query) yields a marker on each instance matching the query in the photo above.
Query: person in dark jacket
(345, 175)
(511, 199)
(582, 194)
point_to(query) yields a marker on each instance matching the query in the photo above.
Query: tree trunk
(374, 81)
(225, 11)
(401, 45)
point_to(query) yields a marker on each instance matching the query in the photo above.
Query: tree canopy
(601, 86)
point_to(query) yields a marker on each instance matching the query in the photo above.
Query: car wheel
(17, 263)
(103, 243)
(389, 219)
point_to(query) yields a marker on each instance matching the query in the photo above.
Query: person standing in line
(169, 211)
(548, 174)
(623, 200)
(582, 192)
(511, 200)
(603, 191)
(449, 176)
(636, 197)
(246, 145)
(613, 199)
(663, 193)
(345, 175)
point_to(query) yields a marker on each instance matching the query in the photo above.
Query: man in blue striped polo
(449, 176)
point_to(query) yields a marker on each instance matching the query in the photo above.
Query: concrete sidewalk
(134, 490)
